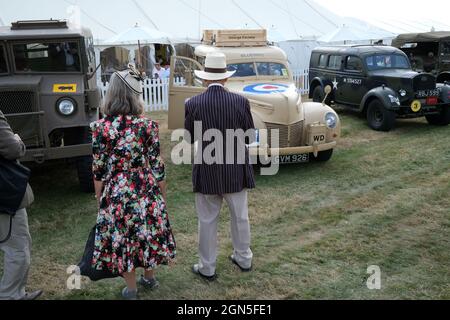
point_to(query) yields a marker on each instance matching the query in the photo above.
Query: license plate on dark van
(292, 158)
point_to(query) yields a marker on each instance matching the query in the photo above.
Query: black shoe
(32, 296)
(196, 270)
(151, 284)
(242, 269)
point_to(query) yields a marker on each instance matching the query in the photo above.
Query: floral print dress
(133, 228)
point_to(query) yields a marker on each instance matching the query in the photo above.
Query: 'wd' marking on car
(64, 88)
(320, 138)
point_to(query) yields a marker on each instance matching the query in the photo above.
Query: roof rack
(369, 45)
(39, 24)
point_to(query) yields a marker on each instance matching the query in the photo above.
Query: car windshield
(387, 61)
(242, 69)
(47, 57)
(3, 66)
(262, 69)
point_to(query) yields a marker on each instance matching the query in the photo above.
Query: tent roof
(421, 37)
(137, 33)
(284, 20)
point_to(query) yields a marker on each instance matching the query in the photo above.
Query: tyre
(318, 94)
(442, 119)
(379, 118)
(323, 156)
(85, 177)
(83, 163)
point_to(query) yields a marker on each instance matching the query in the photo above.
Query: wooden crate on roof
(235, 38)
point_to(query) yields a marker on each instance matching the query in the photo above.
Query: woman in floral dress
(133, 228)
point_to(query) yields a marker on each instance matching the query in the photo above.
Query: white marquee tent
(293, 24)
(183, 19)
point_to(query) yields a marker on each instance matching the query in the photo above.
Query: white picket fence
(156, 91)
(301, 78)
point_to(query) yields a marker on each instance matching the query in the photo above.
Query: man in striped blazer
(217, 110)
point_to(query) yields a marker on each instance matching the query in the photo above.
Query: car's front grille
(18, 106)
(12, 102)
(424, 82)
(289, 135)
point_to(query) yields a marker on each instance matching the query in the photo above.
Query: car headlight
(331, 120)
(66, 106)
(402, 93)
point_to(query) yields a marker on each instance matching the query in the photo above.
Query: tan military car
(307, 131)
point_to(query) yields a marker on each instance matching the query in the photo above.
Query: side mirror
(327, 93)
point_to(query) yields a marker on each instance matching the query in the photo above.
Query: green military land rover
(48, 91)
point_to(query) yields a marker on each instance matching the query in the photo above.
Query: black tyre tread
(323, 156)
(442, 119)
(318, 94)
(389, 117)
(85, 177)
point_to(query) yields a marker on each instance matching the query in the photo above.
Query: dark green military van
(379, 82)
(48, 91)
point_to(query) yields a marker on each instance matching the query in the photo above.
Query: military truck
(378, 82)
(427, 52)
(48, 91)
(307, 131)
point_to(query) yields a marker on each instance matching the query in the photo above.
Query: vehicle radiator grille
(12, 102)
(17, 105)
(424, 82)
(290, 136)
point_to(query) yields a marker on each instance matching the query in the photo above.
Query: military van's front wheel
(322, 156)
(85, 177)
(442, 119)
(319, 95)
(379, 118)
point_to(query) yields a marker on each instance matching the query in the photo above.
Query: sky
(408, 13)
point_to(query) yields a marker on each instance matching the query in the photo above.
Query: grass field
(383, 199)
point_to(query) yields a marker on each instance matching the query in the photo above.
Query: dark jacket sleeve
(248, 125)
(11, 146)
(189, 123)
(248, 118)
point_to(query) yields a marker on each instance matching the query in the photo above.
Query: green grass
(383, 199)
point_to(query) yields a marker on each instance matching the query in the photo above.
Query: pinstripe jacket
(219, 109)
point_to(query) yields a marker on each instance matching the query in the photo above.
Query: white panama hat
(215, 68)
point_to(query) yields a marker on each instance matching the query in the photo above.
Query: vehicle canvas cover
(421, 37)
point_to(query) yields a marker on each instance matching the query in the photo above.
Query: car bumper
(42, 154)
(292, 150)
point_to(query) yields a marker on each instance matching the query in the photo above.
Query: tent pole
(139, 66)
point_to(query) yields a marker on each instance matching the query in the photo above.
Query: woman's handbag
(85, 264)
(14, 179)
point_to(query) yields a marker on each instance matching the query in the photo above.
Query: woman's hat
(132, 78)
(215, 68)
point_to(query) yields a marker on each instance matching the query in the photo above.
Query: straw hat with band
(215, 68)
(132, 79)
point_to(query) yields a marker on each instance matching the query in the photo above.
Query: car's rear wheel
(379, 118)
(322, 156)
(442, 119)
